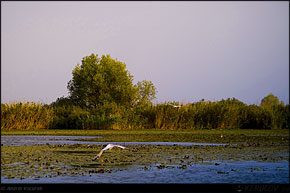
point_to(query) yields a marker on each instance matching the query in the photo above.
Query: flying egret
(109, 147)
(175, 106)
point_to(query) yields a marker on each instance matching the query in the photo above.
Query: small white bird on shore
(109, 147)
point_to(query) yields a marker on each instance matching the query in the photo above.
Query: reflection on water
(207, 172)
(70, 140)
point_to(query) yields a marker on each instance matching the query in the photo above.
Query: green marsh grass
(25, 116)
(224, 114)
(208, 136)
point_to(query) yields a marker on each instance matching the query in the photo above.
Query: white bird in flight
(109, 147)
(175, 106)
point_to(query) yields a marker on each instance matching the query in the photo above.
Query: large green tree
(101, 81)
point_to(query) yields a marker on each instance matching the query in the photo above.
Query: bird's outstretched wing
(110, 146)
(122, 147)
(175, 106)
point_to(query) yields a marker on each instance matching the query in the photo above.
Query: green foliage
(25, 116)
(278, 111)
(200, 115)
(256, 117)
(230, 113)
(224, 114)
(280, 115)
(74, 117)
(102, 95)
(146, 92)
(270, 100)
(99, 81)
(62, 101)
(68, 117)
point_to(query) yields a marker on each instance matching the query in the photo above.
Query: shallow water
(202, 172)
(19, 140)
(194, 172)
(70, 140)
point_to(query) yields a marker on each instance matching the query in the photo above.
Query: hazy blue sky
(189, 50)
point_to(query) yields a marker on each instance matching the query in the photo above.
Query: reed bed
(25, 116)
(224, 114)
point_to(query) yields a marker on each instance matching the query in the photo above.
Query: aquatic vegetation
(76, 160)
(245, 137)
(221, 172)
(49, 161)
(182, 167)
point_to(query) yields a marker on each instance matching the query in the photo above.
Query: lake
(186, 171)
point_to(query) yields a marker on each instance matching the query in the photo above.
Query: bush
(69, 116)
(257, 118)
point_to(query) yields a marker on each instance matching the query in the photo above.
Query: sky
(189, 50)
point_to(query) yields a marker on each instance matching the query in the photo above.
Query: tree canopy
(270, 100)
(105, 81)
(146, 92)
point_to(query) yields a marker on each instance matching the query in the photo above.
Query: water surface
(203, 172)
(226, 171)
(70, 140)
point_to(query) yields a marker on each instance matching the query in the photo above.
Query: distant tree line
(102, 96)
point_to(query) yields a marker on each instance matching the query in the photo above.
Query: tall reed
(229, 113)
(25, 116)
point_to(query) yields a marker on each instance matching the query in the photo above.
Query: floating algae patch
(49, 161)
(55, 160)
